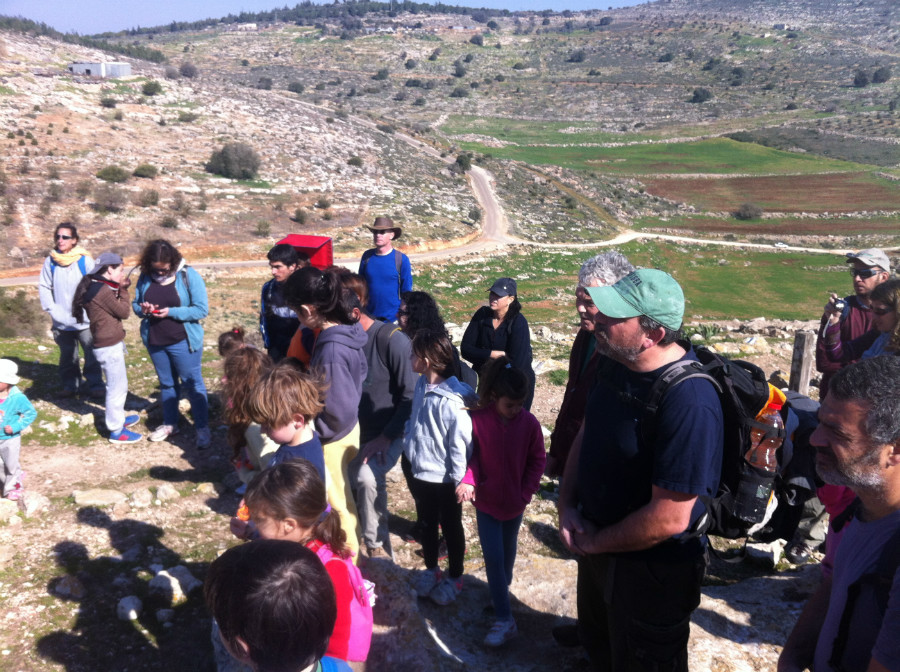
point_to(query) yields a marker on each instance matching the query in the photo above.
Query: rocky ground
(102, 523)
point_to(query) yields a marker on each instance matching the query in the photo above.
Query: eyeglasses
(882, 311)
(60, 236)
(864, 273)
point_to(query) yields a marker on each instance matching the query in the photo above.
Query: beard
(625, 354)
(861, 473)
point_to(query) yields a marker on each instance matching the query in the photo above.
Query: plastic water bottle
(762, 452)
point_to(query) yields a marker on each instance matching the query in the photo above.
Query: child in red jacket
(504, 473)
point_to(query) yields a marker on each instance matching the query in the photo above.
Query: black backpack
(744, 392)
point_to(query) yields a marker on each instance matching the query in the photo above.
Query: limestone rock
(167, 492)
(188, 581)
(766, 554)
(206, 488)
(129, 608)
(86, 420)
(99, 497)
(70, 586)
(166, 588)
(35, 502)
(7, 508)
(7, 553)
(142, 498)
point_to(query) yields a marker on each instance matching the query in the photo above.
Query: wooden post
(802, 361)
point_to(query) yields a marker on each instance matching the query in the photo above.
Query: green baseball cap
(648, 292)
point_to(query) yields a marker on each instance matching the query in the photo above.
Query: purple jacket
(858, 321)
(339, 358)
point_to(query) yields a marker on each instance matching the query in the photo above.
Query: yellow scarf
(68, 258)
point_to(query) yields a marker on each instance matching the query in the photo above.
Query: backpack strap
(82, 266)
(187, 286)
(364, 262)
(382, 341)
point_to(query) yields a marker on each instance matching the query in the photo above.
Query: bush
(245, 62)
(300, 216)
(108, 102)
(791, 106)
(459, 70)
(434, 54)
(169, 222)
(385, 128)
(188, 70)
(187, 117)
(264, 83)
(459, 92)
(419, 102)
(355, 161)
(475, 214)
(701, 95)
(748, 211)
(577, 56)
(667, 57)
(477, 40)
(381, 75)
(113, 174)
(236, 160)
(413, 83)
(464, 162)
(518, 66)
(323, 203)
(410, 64)
(20, 314)
(147, 198)
(151, 88)
(171, 72)
(881, 75)
(118, 116)
(109, 198)
(83, 189)
(295, 87)
(146, 170)
(262, 228)
(860, 79)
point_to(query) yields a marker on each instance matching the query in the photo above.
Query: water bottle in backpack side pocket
(760, 463)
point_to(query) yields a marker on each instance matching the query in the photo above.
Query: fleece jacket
(338, 357)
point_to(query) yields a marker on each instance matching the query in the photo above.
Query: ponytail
(324, 291)
(499, 378)
(81, 290)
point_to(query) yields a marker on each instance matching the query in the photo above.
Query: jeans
(634, 615)
(112, 361)
(176, 365)
(371, 495)
(70, 363)
(499, 539)
(438, 506)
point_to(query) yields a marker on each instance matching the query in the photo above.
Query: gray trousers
(370, 484)
(70, 362)
(112, 361)
(11, 472)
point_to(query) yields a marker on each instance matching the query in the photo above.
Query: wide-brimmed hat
(9, 371)
(385, 224)
(648, 292)
(504, 287)
(108, 259)
(871, 257)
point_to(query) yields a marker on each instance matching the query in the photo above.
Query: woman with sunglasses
(67, 264)
(882, 339)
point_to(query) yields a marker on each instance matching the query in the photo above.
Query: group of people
(360, 373)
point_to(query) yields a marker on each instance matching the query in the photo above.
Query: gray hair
(607, 268)
(874, 382)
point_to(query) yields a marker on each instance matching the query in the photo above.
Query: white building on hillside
(101, 69)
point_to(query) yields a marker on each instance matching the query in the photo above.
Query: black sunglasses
(864, 273)
(60, 236)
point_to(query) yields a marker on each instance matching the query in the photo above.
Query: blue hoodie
(17, 412)
(339, 358)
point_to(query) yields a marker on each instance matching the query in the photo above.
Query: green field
(718, 156)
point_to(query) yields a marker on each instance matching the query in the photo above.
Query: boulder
(129, 608)
(99, 497)
(167, 492)
(35, 502)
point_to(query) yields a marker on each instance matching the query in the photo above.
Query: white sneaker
(162, 432)
(203, 437)
(446, 591)
(425, 580)
(501, 632)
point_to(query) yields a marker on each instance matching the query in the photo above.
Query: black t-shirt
(164, 330)
(616, 470)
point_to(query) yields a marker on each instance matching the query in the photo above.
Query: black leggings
(438, 506)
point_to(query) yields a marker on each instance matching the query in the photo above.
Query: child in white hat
(16, 413)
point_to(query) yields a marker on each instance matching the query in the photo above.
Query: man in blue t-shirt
(387, 271)
(626, 497)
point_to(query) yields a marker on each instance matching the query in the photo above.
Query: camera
(839, 305)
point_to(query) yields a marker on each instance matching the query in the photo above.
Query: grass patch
(6, 91)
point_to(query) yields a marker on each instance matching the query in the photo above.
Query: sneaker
(567, 635)
(241, 489)
(163, 432)
(501, 632)
(125, 436)
(426, 580)
(132, 420)
(798, 554)
(203, 437)
(446, 591)
(15, 495)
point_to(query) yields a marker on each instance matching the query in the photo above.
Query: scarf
(68, 258)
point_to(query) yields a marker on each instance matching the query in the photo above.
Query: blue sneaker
(125, 436)
(132, 420)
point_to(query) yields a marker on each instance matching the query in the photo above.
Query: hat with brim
(871, 257)
(9, 371)
(504, 287)
(385, 224)
(108, 259)
(649, 292)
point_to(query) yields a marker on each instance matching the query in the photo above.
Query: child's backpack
(361, 619)
(744, 392)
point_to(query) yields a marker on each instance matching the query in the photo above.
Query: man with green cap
(629, 498)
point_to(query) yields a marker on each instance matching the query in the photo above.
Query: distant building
(101, 69)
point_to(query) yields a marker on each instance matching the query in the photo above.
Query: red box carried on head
(319, 248)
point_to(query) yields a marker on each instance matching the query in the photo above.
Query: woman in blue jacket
(170, 297)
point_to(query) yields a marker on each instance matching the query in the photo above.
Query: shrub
(295, 87)
(381, 75)
(236, 160)
(881, 75)
(20, 314)
(475, 214)
(385, 128)
(459, 70)
(151, 88)
(188, 70)
(323, 203)
(518, 66)
(477, 40)
(419, 102)
(56, 192)
(464, 162)
(113, 174)
(83, 189)
(433, 56)
(300, 216)
(109, 198)
(667, 57)
(413, 83)
(147, 198)
(169, 222)
(145, 170)
(860, 79)
(245, 62)
(493, 25)
(187, 117)
(748, 211)
(181, 205)
(400, 96)
(459, 92)
(701, 95)
(171, 72)
(108, 102)
(118, 116)
(264, 83)
(791, 106)
(577, 56)
(355, 161)
(410, 64)
(262, 228)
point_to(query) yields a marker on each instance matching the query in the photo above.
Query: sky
(97, 16)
